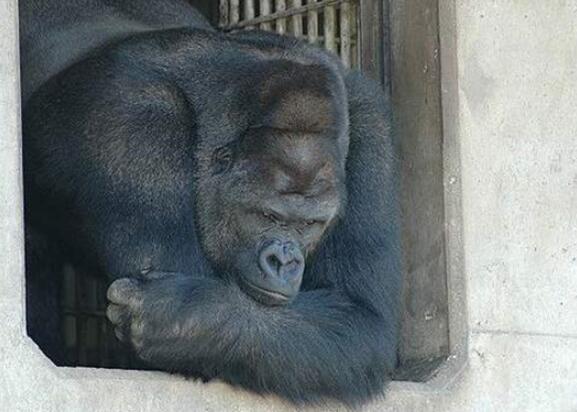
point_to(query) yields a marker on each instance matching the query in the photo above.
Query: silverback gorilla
(238, 191)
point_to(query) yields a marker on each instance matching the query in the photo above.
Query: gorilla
(238, 191)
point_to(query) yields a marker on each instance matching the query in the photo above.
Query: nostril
(274, 263)
(269, 261)
(281, 260)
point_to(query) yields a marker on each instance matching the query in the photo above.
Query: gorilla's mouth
(265, 296)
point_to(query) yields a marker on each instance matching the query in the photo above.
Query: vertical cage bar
(81, 330)
(312, 24)
(69, 314)
(223, 19)
(103, 354)
(234, 11)
(248, 10)
(330, 27)
(103, 350)
(265, 10)
(281, 23)
(297, 20)
(92, 331)
(345, 34)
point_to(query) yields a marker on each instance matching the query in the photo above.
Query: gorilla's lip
(263, 295)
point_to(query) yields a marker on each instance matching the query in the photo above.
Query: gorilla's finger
(123, 291)
(120, 334)
(115, 313)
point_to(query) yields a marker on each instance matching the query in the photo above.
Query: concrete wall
(510, 99)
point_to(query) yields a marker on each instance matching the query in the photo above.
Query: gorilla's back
(56, 33)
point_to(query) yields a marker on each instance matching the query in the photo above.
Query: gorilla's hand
(126, 298)
(153, 311)
(165, 316)
(128, 311)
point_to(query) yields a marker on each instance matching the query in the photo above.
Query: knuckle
(114, 313)
(122, 290)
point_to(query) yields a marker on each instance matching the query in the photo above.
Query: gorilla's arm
(337, 339)
(321, 346)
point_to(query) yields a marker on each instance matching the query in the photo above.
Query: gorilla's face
(277, 189)
(288, 189)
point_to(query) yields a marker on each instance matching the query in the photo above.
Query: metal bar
(312, 23)
(345, 34)
(69, 321)
(98, 313)
(297, 19)
(103, 350)
(264, 18)
(248, 10)
(223, 19)
(103, 344)
(321, 39)
(234, 11)
(286, 13)
(330, 28)
(92, 331)
(281, 21)
(80, 321)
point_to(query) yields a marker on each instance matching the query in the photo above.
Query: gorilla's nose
(283, 264)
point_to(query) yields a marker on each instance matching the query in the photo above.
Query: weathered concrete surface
(511, 113)
(518, 116)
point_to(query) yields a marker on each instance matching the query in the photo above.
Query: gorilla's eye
(269, 216)
(274, 218)
(316, 223)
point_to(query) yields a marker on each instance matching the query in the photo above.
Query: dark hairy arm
(320, 346)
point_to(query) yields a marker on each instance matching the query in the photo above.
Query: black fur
(124, 116)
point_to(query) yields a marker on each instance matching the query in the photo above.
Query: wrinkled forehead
(302, 97)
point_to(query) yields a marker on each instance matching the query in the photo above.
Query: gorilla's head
(276, 189)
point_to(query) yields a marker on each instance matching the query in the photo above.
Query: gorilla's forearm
(322, 345)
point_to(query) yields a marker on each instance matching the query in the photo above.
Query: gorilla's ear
(301, 97)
